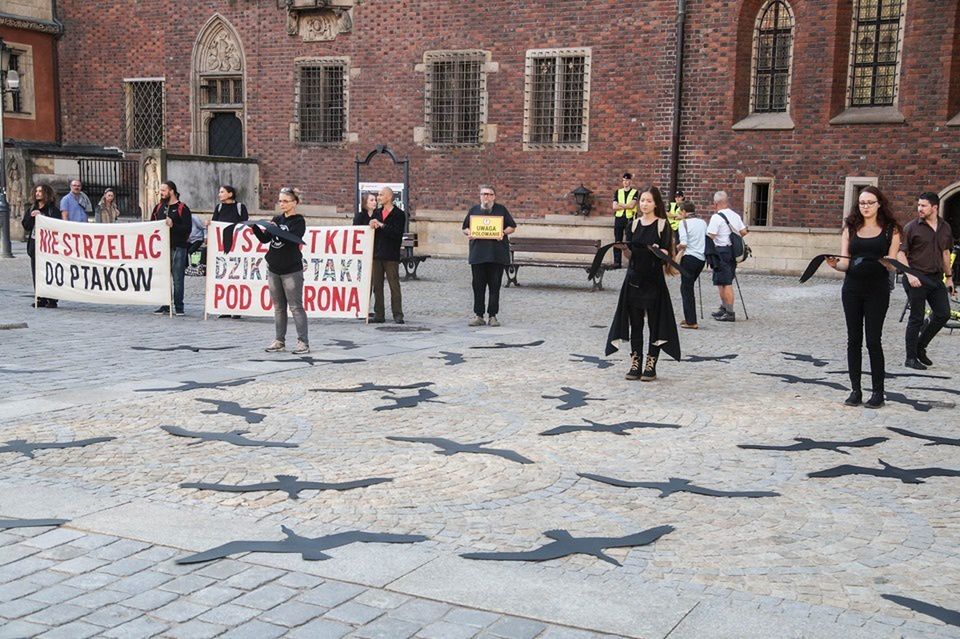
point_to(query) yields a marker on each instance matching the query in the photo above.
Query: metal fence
(123, 176)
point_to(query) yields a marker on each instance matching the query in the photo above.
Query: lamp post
(582, 196)
(8, 80)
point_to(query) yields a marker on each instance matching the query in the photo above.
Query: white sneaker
(493, 321)
(477, 321)
(276, 347)
(301, 348)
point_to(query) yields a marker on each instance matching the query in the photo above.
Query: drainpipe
(57, 114)
(677, 99)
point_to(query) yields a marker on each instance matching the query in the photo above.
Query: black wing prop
(268, 227)
(947, 616)
(565, 544)
(900, 266)
(26, 448)
(678, 485)
(597, 263)
(288, 484)
(805, 443)
(449, 447)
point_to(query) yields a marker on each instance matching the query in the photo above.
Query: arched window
(772, 57)
(875, 52)
(218, 90)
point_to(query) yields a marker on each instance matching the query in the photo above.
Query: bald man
(388, 222)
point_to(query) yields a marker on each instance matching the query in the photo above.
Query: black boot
(876, 399)
(855, 398)
(649, 369)
(922, 356)
(634, 372)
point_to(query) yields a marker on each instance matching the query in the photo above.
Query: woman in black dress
(869, 232)
(645, 295)
(44, 203)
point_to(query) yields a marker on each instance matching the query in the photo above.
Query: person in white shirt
(724, 222)
(693, 239)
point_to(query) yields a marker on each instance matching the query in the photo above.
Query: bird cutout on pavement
(310, 548)
(951, 391)
(235, 437)
(449, 447)
(288, 484)
(805, 443)
(194, 385)
(935, 440)
(620, 428)
(26, 448)
(900, 266)
(921, 405)
(345, 344)
(906, 475)
(678, 485)
(573, 398)
(409, 401)
(233, 408)
(30, 523)
(813, 381)
(308, 359)
(565, 544)
(592, 359)
(889, 375)
(801, 357)
(450, 358)
(509, 345)
(25, 371)
(365, 387)
(598, 326)
(182, 347)
(723, 359)
(947, 616)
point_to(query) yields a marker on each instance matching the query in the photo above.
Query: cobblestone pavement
(812, 562)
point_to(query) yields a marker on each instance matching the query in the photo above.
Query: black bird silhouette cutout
(182, 347)
(449, 447)
(947, 616)
(592, 359)
(26, 448)
(900, 266)
(921, 405)
(573, 398)
(598, 326)
(233, 408)
(723, 359)
(805, 443)
(410, 401)
(307, 359)
(813, 381)
(366, 387)
(951, 391)
(935, 440)
(678, 485)
(25, 371)
(620, 428)
(906, 475)
(889, 375)
(509, 345)
(288, 484)
(30, 523)
(565, 544)
(801, 357)
(345, 344)
(450, 358)
(268, 227)
(235, 437)
(310, 548)
(194, 385)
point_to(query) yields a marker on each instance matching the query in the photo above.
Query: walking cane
(740, 293)
(700, 293)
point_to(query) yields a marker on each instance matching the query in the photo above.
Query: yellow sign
(486, 227)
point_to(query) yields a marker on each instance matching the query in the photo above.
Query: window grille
(455, 98)
(773, 44)
(876, 52)
(557, 96)
(227, 91)
(761, 204)
(14, 98)
(321, 106)
(145, 114)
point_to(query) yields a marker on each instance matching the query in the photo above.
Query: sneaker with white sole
(477, 321)
(493, 321)
(276, 347)
(301, 349)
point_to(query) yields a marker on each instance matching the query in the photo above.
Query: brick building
(787, 104)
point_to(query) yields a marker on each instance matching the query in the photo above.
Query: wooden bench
(410, 261)
(553, 245)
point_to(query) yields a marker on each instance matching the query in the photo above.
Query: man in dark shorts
(724, 222)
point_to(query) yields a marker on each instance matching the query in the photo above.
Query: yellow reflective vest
(624, 196)
(673, 215)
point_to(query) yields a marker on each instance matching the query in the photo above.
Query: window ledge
(870, 115)
(765, 122)
(955, 121)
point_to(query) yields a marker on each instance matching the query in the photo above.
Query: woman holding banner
(285, 273)
(44, 203)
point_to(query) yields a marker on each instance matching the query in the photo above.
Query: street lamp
(582, 196)
(9, 80)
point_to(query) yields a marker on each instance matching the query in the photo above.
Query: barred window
(144, 114)
(455, 98)
(875, 52)
(773, 44)
(322, 102)
(557, 98)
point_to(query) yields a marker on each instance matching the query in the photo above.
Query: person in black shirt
(43, 204)
(229, 210)
(285, 273)
(178, 218)
(488, 257)
(389, 223)
(869, 232)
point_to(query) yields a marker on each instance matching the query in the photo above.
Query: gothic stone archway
(218, 90)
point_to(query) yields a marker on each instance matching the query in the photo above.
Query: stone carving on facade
(151, 184)
(319, 20)
(222, 54)
(15, 188)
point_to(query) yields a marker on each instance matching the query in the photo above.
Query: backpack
(740, 249)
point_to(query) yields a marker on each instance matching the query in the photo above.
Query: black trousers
(694, 266)
(389, 270)
(865, 309)
(622, 232)
(32, 252)
(939, 302)
(488, 275)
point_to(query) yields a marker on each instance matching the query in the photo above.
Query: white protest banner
(337, 261)
(103, 263)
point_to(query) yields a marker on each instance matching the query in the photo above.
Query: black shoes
(718, 314)
(855, 398)
(163, 310)
(398, 320)
(726, 317)
(649, 369)
(377, 320)
(922, 357)
(634, 372)
(914, 364)
(875, 401)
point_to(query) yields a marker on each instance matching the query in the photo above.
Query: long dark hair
(885, 218)
(48, 195)
(660, 210)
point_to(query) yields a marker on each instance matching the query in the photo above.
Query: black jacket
(387, 240)
(182, 224)
(284, 257)
(231, 213)
(28, 221)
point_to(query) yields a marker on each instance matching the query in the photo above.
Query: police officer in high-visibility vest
(624, 210)
(673, 215)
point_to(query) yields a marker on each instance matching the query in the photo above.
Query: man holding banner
(176, 214)
(487, 224)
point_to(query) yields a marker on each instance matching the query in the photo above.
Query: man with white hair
(722, 223)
